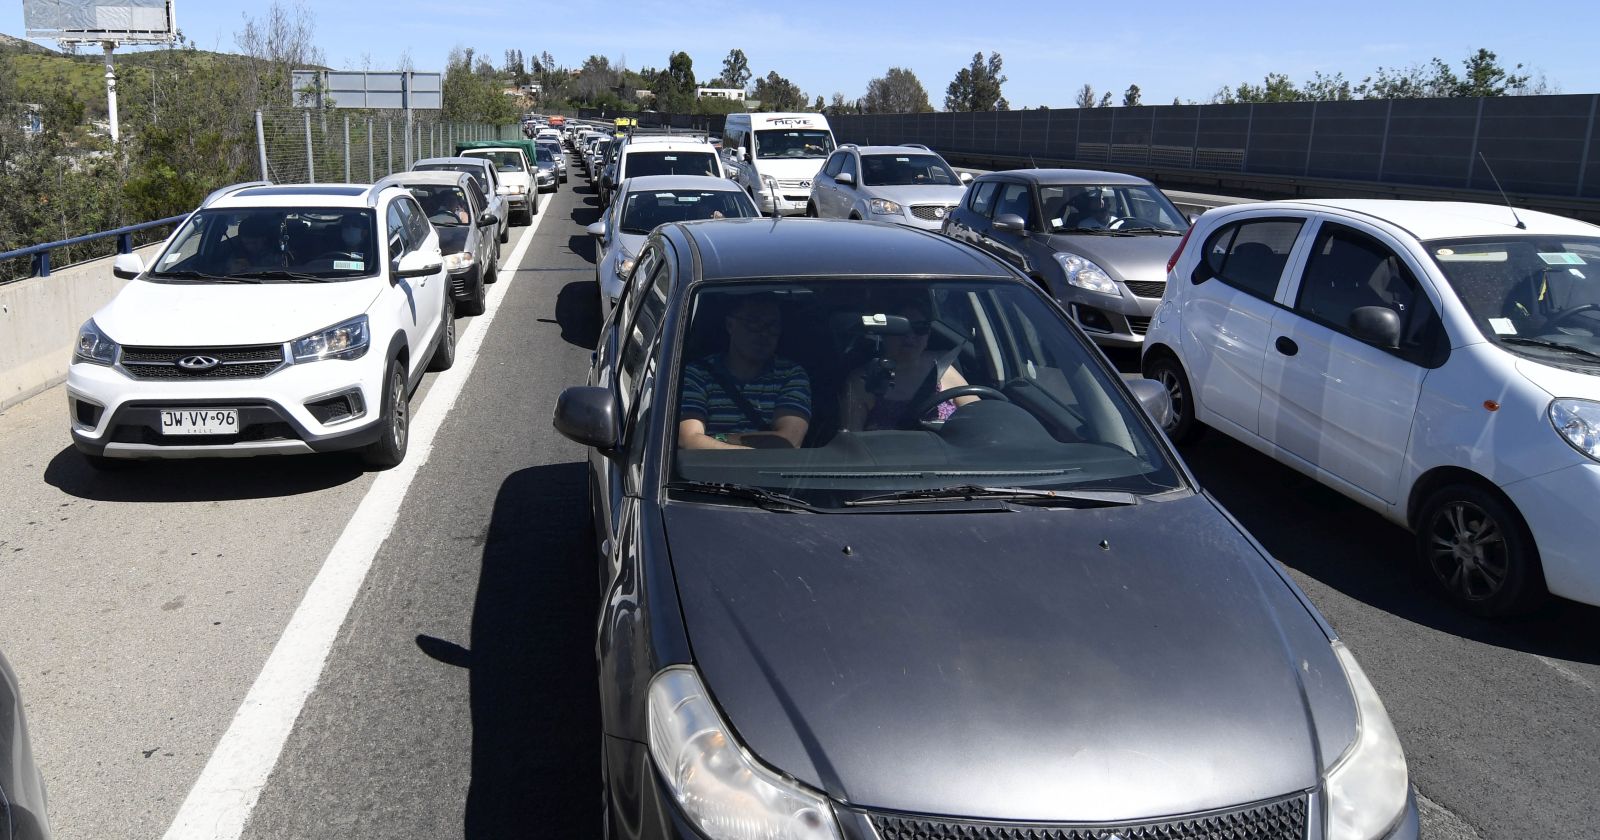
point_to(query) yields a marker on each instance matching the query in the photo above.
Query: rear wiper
(770, 499)
(1553, 345)
(1019, 495)
(275, 275)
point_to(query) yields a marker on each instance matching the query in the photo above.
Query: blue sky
(1186, 49)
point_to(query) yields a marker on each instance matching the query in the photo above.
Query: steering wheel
(933, 400)
(1556, 318)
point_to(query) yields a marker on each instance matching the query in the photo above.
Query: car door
(1227, 315)
(822, 189)
(843, 196)
(1014, 198)
(630, 344)
(972, 214)
(430, 289)
(1334, 401)
(404, 292)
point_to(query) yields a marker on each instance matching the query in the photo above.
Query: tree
(1485, 77)
(1130, 99)
(471, 90)
(820, 105)
(1086, 97)
(1105, 101)
(896, 92)
(779, 94)
(1323, 88)
(1276, 87)
(735, 70)
(839, 105)
(674, 87)
(976, 87)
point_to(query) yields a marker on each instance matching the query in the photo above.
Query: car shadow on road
(200, 480)
(1314, 530)
(534, 697)
(578, 314)
(581, 245)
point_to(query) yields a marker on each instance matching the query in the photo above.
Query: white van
(787, 148)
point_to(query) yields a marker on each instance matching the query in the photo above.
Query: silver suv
(909, 185)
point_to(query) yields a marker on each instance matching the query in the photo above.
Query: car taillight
(1171, 263)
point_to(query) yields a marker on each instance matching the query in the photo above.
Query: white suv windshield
(503, 161)
(905, 171)
(793, 143)
(1538, 294)
(900, 385)
(271, 245)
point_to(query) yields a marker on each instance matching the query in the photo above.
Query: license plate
(200, 421)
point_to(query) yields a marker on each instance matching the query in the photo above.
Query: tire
(811, 210)
(505, 235)
(444, 354)
(1182, 426)
(478, 297)
(100, 463)
(1479, 552)
(390, 448)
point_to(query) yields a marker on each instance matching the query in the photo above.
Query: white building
(719, 93)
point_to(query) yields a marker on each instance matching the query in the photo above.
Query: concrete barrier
(39, 320)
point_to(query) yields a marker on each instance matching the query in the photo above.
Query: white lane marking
(1571, 675)
(221, 800)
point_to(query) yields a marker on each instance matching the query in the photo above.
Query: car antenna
(1506, 198)
(1031, 161)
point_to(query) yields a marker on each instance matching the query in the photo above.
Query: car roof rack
(230, 189)
(916, 146)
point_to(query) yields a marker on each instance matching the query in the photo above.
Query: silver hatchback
(909, 185)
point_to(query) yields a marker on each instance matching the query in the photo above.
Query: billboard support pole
(111, 90)
(405, 97)
(311, 163)
(261, 146)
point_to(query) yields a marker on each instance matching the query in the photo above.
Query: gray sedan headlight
(884, 207)
(1368, 786)
(348, 340)
(624, 265)
(1084, 274)
(1578, 421)
(724, 792)
(93, 345)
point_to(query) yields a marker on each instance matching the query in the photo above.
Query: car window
(508, 161)
(395, 232)
(1347, 270)
(905, 170)
(848, 167)
(835, 163)
(417, 227)
(831, 390)
(640, 163)
(644, 210)
(269, 244)
(1016, 199)
(1250, 255)
(982, 200)
(1538, 292)
(642, 331)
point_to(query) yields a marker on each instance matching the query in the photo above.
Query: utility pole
(111, 89)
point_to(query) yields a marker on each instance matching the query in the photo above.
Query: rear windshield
(503, 161)
(670, 163)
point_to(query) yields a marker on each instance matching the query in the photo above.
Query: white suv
(277, 320)
(1436, 362)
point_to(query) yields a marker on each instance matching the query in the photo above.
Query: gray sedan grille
(252, 362)
(1147, 288)
(1282, 819)
(930, 212)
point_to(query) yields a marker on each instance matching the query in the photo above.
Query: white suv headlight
(1578, 421)
(1368, 786)
(348, 340)
(883, 207)
(725, 793)
(93, 345)
(458, 262)
(1085, 274)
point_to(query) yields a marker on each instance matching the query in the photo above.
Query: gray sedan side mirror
(845, 178)
(588, 415)
(1376, 325)
(1153, 398)
(1010, 223)
(598, 229)
(488, 220)
(966, 177)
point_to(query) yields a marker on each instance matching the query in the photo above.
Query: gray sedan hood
(1003, 665)
(1138, 258)
(452, 238)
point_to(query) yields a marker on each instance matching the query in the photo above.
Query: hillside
(43, 75)
(13, 44)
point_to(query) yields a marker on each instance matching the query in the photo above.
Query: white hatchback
(276, 320)
(1436, 362)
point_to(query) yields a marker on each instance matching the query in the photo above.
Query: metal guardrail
(124, 235)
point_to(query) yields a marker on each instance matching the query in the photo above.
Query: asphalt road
(459, 697)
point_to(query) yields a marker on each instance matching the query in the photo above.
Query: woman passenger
(919, 373)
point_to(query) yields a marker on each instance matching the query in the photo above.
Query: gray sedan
(22, 798)
(907, 185)
(1098, 242)
(652, 200)
(485, 177)
(466, 232)
(887, 549)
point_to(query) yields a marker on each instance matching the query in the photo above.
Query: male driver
(747, 397)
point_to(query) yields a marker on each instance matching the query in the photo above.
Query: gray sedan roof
(442, 178)
(1066, 176)
(734, 248)
(643, 183)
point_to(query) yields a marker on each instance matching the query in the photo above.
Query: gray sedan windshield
(644, 211)
(1131, 207)
(833, 391)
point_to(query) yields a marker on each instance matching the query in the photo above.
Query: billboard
(122, 21)
(368, 89)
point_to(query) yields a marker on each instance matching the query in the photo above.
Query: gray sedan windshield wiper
(1019, 495)
(771, 499)
(1553, 345)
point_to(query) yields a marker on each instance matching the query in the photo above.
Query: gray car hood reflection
(452, 238)
(1002, 665)
(1139, 258)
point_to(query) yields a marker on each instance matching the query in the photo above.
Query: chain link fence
(303, 146)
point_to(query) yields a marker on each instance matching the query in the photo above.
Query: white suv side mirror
(127, 266)
(418, 264)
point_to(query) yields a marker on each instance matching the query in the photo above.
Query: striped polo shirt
(781, 386)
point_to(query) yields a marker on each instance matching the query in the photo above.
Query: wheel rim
(398, 410)
(1169, 379)
(450, 325)
(1467, 550)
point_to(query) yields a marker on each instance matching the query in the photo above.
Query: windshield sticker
(1448, 255)
(669, 157)
(878, 320)
(1502, 326)
(1561, 258)
(346, 265)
